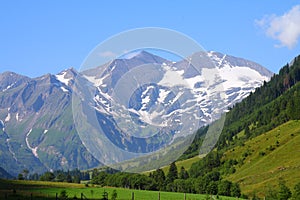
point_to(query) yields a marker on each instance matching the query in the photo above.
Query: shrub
(114, 195)
(63, 194)
(262, 153)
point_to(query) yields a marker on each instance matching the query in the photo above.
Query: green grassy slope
(48, 190)
(182, 163)
(266, 158)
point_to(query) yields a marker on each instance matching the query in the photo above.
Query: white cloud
(285, 28)
(107, 54)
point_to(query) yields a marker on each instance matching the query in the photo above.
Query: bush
(296, 194)
(262, 153)
(284, 192)
(63, 194)
(114, 195)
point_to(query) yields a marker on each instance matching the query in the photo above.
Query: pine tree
(172, 174)
(159, 177)
(284, 192)
(235, 190)
(183, 173)
(20, 177)
(247, 131)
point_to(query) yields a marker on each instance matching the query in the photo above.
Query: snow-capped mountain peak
(167, 93)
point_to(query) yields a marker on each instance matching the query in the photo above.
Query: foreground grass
(48, 190)
(267, 158)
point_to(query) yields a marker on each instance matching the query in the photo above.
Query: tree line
(70, 176)
(203, 178)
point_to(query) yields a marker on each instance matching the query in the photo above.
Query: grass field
(268, 157)
(262, 161)
(48, 190)
(183, 163)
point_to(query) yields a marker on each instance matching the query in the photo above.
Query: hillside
(260, 140)
(266, 158)
(271, 105)
(4, 174)
(187, 163)
(246, 152)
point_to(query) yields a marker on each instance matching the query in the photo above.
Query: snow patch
(7, 117)
(97, 81)
(172, 78)
(240, 77)
(8, 87)
(33, 150)
(17, 116)
(145, 97)
(192, 81)
(10, 149)
(61, 77)
(162, 95)
(64, 89)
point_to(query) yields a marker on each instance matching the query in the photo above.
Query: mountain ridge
(38, 129)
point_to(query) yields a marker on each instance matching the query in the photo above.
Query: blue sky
(39, 37)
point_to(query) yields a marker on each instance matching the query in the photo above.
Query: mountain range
(38, 131)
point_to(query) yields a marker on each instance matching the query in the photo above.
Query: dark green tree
(212, 188)
(114, 195)
(284, 192)
(63, 194)
(200, 185)
(171, 187)
(76, 179)
(99, 179)
(20, 177)
(47, 176)
(180, 185)
(296, 194)
(183, 174)
(173, 173)
(94, 172)
(68, 178)
(247, 131)
(271, 193)
(235, 190)
(224, 188)
(60, 177)
(160, 178)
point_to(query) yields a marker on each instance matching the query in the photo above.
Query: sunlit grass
(272, 155)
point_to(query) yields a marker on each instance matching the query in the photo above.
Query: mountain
(4, 174)
(38, 126)
(158, 93)
(259, 144)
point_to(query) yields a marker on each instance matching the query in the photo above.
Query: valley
(257, 149)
